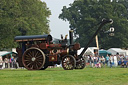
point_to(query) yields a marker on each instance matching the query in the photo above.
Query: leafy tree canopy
(83, 15)
(22, 17)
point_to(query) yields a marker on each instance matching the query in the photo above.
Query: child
(98, 65)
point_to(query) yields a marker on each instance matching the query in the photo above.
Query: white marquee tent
(116, 51)
(89, 51)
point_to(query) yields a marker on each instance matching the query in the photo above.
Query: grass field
(58, 76)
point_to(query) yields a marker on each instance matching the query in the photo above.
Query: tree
(22, 17)
(83, 15)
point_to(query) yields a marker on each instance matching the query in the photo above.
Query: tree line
(83, 15)
(22, 17)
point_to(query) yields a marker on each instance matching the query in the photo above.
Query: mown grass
(58, 76)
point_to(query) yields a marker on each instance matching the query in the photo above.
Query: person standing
(95, 60)
(1, 62)
(15, 63)
(110, 60)
(6, 62)
(12, 61)
(115, 61)
(122, 63)
(91, 61)
(103, 61)
(107, 59)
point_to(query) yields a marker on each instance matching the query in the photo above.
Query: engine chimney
(71, 36)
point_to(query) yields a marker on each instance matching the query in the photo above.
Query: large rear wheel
(68, 62)
(46, 64)
(44, 67)
(33, 59)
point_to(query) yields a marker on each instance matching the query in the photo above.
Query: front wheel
(68, 62)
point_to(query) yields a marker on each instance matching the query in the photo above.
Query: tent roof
(93, 47)
(80, 50)
(114, 51)
(104, 51)
(117, 50)
(3, 53)
(87, 52)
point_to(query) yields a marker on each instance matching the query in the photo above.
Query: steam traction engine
(37, 52)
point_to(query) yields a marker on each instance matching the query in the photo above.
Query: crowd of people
(8, 63)
(109, 60)
(92, 61)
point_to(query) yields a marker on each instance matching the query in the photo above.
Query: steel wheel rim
(68, 62)
(81, 64)
(33, 59)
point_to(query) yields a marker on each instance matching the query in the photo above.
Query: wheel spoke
(32, 67)
(40, 63)
(30, 52)
(27, 56)
(30, 55)
(33, 53)
(40, 56)
(36, 65)
(36, 54)
(26, 60)
(39, 60)
(80, 64)
(29, 64)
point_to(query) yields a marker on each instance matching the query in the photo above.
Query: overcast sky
(57, 26)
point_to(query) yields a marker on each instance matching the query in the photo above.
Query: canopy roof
(104, 51)
(3, 53)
